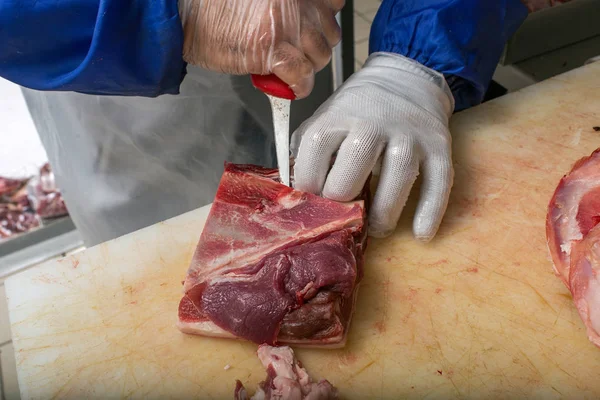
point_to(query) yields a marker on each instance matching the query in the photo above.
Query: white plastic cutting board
(477, 313)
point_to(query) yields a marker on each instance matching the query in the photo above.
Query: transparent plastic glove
(290, 38)
(396, 109)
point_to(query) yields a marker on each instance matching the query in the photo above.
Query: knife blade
(280, 96)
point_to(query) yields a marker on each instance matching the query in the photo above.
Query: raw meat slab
(273, 264)
(573, 234)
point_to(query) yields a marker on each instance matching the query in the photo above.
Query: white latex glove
(395, 108)
(290, 38)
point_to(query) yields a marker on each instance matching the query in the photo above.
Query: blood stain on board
(439, 262)
(439, 371)
(438, 290)
(596, 128)
(75, 263)
(348, 358)
(473, 270)
(129, 289)
(45, 278)
(380, 326)
(412, 293)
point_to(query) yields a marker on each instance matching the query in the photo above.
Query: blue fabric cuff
(462, 39)
(107, 47)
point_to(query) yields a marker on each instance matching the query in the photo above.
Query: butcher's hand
(292, 39)
(394, 108)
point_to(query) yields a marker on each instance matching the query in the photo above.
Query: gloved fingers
(354, 162)
(319, 138)
(292, 67)
(438, 177)
(399, 170)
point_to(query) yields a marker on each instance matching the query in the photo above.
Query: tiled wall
(364, 12)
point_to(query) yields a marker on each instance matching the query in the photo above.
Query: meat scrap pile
(286, 379)
(274, 265)
(24, 203)
(573, 234)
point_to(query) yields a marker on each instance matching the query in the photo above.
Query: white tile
(366, 5)
(10, 384)
(362, 28)
(5, 335)
(361, 51)
(21, 153)
(368, 15)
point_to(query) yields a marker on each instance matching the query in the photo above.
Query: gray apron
(124, 163)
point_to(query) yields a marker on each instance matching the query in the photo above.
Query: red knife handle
(271, 84)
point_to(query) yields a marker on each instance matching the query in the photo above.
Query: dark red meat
(274, 265)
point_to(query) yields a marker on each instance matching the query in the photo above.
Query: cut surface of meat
(573, 211)
(286, 379)
(573, 234)
(585, 282)
(274, 265)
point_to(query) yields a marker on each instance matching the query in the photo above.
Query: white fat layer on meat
(569, 203)
(592, 297)
(577, 137)
(259, 395)
(571, 228)
(233, 277)
(247, 256)
(281, 358)
(291, 381)
(290, 200)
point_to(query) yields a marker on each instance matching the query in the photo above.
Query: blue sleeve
(462, 39)
(108, 47)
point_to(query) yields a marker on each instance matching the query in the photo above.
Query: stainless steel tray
(53, 239)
